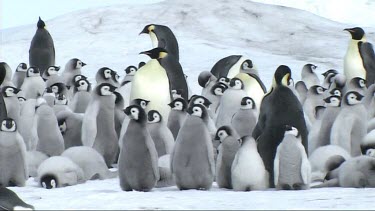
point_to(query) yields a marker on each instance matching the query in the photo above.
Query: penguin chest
(290, 161)
(353, 65)
(248, 166)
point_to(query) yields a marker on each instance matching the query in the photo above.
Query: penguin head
(115, 76)
(78, 64)
(48, 181)
(131, 70)
(370, 152)
(40, 24)
(247, 64)
(48, 92)
(105, 89)
(358, 82)
(105, 73)
(119, 100)
(334, 101)
(154, 116)
(156, 53)
(32, 72)
(58, 87)
(176, 93)
(9, 91)
(78, 77)
(290, 130)
(223, 132)
(141, 102)
(61, 99)
(198, 110)
(236, 83)
(317, 90)
(147, 29)
(22, 67)
(8, 125)
(21, 100)
(198, 99)
(247, 103)
(178, 104)
(62, 126)
(52, 70)
(224, 80)
(330, 71)
(336, 92)
(282, 76)
(309, 68)
(82, 85)
(357, 33)
(353, 98)
(141, 64)
(136, 113)
(218, 89)
(204, 78)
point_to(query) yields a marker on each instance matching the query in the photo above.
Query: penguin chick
(73, 67)
(314, 98)
(107, 75)
(81, 97)
(177, 115)
(33, 85)
(19, 75)
(245, 119)
(160, 133)
(309, 76)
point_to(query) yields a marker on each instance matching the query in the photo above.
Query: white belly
(353, 66)
(252, 88)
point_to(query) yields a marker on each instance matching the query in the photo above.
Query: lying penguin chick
(227, 150)
(292, 169)
(245, 119)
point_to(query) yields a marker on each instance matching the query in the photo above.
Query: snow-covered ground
(207, 31)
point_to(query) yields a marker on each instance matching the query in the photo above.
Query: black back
(167, 40)
(368, 58)
(222, 67)
(3, 109)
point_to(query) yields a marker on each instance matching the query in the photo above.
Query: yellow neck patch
(162, 54)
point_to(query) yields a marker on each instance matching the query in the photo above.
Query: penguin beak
(145, 52)
(83, 64)
(144, 31)
(326, 100)
(36, 70)
(112, 88)
(348, 29)
(57, 68)
(16, 91)
(127, 111)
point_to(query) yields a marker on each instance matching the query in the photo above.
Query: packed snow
(207, 31)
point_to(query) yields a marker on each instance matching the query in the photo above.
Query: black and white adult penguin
(173, 68)
(278, 108)
(81, 96)
(151, 83)
(33, 85)
(107, 75)
(19, 75)
(42, 49)
(177, 115)
(73, 67)
(230, 66)
(9, 200)
(308, 76)
(253, 87)
(138, 161)
(163, 37)
(98, 126)
(359, 60)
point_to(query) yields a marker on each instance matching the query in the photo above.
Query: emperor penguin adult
(11, 102)
(230, 102)
(51, 141)
(163, 37)
(70, 125)
(350, 126)
(151, 83)
(13, 165)
(173, 69)
(308, 75)
(359, 60)
(33, 85)
(248, 170)
(279, 107)
(73, 67)
(177, 115)
(42, 49)
(9, 200)
(81, 96)
(245, 119)
(138, 161)
(19, 75)
(253, 87)
(107, 75)
(98, 124)
(292, 168)
(160, 133)
(229, 145)
(230, 66)
(192, 160)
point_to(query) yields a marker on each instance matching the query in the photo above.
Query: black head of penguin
(247, 64)
(357, 33)
(32, 71)
(224, 80)
(282, 76)
(74, 64)
(105, 73)
(236, 83)
(310, 67)
(317, 90)
(198, 110)
(156, 53)
(131, 69)
(105, 89)
(147, 29)
(58, 88)
(41, 24)
(248, 101)
(141, 102)
(198, 99)
(218, 89)
(82, 82)
(136, 113)
(353, 98)
(49, 181)
(292, 130)
(332, 98)
(330, 71)
(141, 64)
(154, 116)
(358, 82)
(178, 101)
(336, 92)
(78, 77)
(225, 128)
(204, 78)
(21, 65)
(9, 89)
(57, 68)
(8, 125)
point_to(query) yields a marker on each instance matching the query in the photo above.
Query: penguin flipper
(89, 127)
(302, 91)
(368, 58)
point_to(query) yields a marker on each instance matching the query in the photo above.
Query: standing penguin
(230, 66)
(151, 83)
(9, 200)
(278, 108)
(33, 85)
(19, 75)
(245, 119)
(72, 68)
(49, 96)
(177, 115)
(27, 125)
(217, 91)
(292, 168)
(3, 109)
(13, 155)
(308, 76)
(227, 150)
(81, 96)
(126, 84)
(160, 133)
(230, 102)
(98, 125)
(11, 102)
(42, 49)
(349, 128)
(138, 161)
(130, 72)
(253, 87)
(248, 170)
(50, 142)
(107, 75)
(356, 84)
(51, 71)
(192, 160)
(163, 37)
(314, 98)
(70, 125)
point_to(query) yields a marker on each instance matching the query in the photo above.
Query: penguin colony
(63, 130)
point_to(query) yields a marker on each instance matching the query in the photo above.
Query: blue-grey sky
(21, 12)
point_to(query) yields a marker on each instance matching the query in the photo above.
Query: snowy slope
(207, 31)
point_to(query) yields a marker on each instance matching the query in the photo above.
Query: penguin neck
(353, 44)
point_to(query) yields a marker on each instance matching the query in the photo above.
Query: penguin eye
(156, 116)
(79, 63)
